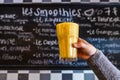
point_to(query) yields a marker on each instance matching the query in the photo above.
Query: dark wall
(28, 33)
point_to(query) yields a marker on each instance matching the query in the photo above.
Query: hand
(85, 49)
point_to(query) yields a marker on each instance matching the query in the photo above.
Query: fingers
(78, 44)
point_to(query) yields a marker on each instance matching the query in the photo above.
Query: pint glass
(67, 33)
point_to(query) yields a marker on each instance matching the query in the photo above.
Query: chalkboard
(28, 33)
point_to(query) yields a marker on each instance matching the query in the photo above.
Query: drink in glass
(67, 33)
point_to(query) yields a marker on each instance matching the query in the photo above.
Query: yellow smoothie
(67, 33)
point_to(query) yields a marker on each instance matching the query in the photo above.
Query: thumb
(76, 45)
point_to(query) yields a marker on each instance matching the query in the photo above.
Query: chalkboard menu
(28, 33)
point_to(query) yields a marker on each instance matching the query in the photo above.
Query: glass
(67, 33)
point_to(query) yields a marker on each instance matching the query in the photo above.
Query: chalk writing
(46, 42)
(103, 32)
(12, 57)
(51, 12)
(28, 33)
(11, 28)
(7, 41)
(19, 48)
(7, 16)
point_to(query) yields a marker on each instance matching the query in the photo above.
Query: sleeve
(102, 67)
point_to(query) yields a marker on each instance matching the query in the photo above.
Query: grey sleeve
(102, 67)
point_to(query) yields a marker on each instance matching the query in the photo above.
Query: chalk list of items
(28, 33)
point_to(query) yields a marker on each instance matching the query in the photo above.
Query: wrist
(92, 52)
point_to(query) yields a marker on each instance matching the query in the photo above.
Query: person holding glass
(97, 61)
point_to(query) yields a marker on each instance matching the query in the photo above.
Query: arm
(102, 67)
(97, 61)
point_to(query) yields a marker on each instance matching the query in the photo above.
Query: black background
(25, 35)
